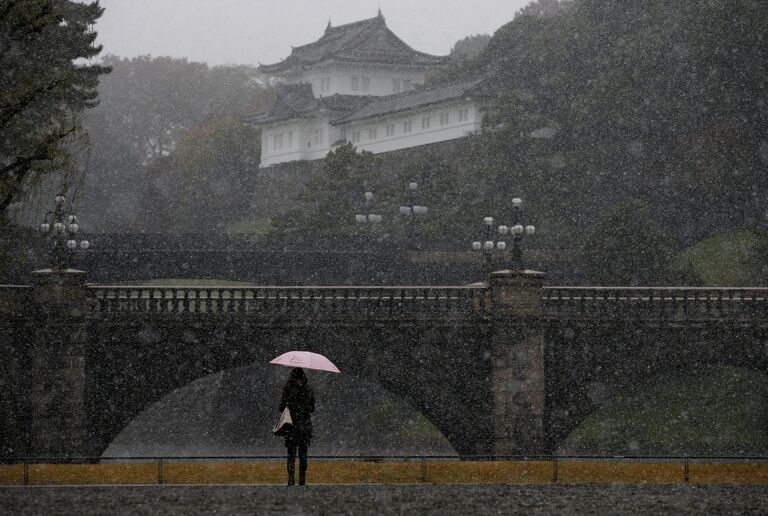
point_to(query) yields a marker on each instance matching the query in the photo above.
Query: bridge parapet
(588, 303)
(656, 303)
(383, 302)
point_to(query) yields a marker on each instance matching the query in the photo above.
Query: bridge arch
(133, 365)
(232, 412)
(706, 410)
(590, 364)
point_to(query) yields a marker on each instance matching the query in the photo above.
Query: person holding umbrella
(299, 399)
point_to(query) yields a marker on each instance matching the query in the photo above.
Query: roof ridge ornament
(328, 27)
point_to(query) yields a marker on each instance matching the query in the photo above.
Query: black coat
(300, 400)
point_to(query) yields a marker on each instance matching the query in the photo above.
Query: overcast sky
(262, 31)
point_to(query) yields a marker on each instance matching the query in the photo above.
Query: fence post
(26, 473)
(423, 469)
(554, 469)
(687, 471)
(160, 470)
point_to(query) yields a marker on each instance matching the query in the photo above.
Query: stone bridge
(501, 367)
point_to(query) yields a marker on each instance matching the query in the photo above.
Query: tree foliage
(46, 81)
(336, 194)
(628, 247)
(149, 105)
(605, 102)
(469, 47)
(202, 187)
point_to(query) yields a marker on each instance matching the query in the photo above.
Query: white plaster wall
(311, 140)
(455, 128)
(306, 147)
(290, 136)
(380, 80)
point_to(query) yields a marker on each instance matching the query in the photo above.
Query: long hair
(296, 389)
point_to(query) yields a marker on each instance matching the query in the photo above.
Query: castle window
(407, 126)
(355, 83)
(290, 139)
(463, 115)
(318, 136)
(389, 130)
(277, 141)
(407, 85)
(444, 118)
(425, 122)
(396, 85)
(325, 84)
(372, 133)
(356, 137)
(366, 84)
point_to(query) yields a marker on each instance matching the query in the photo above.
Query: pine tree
(45, 83)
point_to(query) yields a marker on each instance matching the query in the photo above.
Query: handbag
(284, 425)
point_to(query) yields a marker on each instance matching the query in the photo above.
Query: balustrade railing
(383, 301)
(656, 302)
(558, 302)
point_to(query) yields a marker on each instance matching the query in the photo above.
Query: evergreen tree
(45, 84)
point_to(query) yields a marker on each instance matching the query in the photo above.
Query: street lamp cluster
(411, 208)
(369, 217)
(504, 240)
(496, 241)
(62, 228)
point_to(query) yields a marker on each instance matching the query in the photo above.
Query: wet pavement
(389, 499)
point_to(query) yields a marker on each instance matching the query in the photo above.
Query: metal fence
(432, 468)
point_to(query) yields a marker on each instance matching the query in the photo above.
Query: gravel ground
(389, 499)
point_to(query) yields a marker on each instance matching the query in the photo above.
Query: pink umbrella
(306, 360)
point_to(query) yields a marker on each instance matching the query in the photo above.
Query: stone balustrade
(405, 301)
(663, 303)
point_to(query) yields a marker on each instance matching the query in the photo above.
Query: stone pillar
(518, 362)
(58, 422)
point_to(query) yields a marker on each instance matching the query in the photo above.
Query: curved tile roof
(365, 41)
(420, 98)
(297, 101)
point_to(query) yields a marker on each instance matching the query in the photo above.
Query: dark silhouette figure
(300, 400)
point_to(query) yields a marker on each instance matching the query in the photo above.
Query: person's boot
(302, 475)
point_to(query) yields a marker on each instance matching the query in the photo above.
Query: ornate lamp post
(517, 232)
(368, 216)
(412, 209)
(489, 246)
(62, 228)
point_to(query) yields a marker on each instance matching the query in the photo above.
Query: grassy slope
(260, 226)
(719, 410)
(724, 260)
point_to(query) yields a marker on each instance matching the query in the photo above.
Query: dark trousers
(292, 445)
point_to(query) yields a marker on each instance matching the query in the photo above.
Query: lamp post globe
(515, 231)
(61, 229)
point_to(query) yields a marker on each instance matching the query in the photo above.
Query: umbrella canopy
(306, 360)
